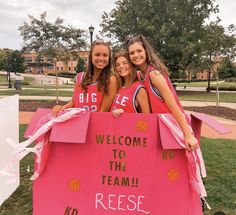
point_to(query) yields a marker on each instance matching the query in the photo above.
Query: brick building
(44, 64)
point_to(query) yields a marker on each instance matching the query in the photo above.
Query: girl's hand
(191, 142)
(117, 112)
(56, 110)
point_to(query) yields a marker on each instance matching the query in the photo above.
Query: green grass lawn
(220, 160)
(4, 81)
(183, 95)
(3, 78)
(42, 87)
(205, 84)
(204, 96)
(36, 92)
(27, 80)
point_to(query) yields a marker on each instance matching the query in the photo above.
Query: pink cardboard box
(113, 166)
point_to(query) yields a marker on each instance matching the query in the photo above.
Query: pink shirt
(126, 98)
(157, 103)
(91, 100)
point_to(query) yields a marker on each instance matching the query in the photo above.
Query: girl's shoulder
(113, 79)
(155, 72)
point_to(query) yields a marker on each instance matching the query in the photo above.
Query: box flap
(71, 131)
(168, 140)
(211, 122)
(40, 117)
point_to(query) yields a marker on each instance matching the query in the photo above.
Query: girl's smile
(100, 57)
(137, 54)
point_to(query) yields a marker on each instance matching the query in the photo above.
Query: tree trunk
(209, 81)
(57, 100)
(217, 91)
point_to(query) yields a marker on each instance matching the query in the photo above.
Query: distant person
(132, 96)
(96, 88)
(153, 73)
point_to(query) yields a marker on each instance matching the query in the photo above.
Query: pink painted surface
(210, 133)
(211, 122)
(107, 175)
(38, 119)
(171, 143)
(75, 134)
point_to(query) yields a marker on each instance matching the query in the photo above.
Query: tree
(80, 64)
(227, 69)
(16, 62)
(11, 61)
(53, 40)
(215, 45)
(3, 59)
(173, 26)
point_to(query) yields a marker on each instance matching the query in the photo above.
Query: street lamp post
(208, 82)
(91, 30)
(8, 69)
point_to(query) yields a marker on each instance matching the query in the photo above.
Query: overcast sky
(78, 13)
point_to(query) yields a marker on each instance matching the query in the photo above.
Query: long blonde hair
(133, 74)
(152, 57)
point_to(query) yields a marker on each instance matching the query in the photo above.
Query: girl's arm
(142, 100)
(109, 97)
(58, 108)
(159, 82)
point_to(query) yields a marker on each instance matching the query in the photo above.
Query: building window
(50, 60)
(28, 59)
(61, 68)
(57, 68)
(51, 67)
(69, 68)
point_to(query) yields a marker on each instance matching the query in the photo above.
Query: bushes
(224, 88)
(233, 79)
(64, 74)
(189, 81)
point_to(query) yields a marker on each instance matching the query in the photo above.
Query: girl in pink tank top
(96, 88)
(153, 73)
(131, 96)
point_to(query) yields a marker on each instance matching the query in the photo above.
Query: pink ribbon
(42, 148)
(196, 166)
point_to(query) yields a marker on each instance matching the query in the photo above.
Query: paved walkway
(203, 104)
(201, 89)
(42, 98)
(184, 103)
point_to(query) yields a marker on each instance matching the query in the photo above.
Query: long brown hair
(103, 79)
(152, 57)
(133, 74)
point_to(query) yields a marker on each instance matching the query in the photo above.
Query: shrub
(230, 79)
(226, 88)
